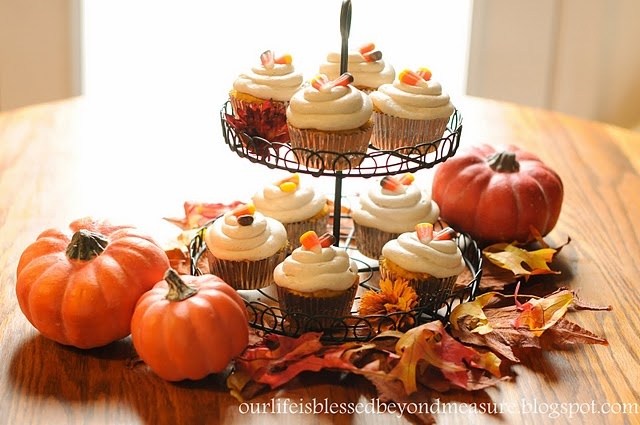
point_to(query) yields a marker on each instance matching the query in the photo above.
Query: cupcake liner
(240, 106)
(370, 241)
(391, 132)
(432, 291)
(340, 150)
(297, 229)
(246, 274)
(333, 307)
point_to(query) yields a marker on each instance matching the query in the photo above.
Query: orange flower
(394, 297)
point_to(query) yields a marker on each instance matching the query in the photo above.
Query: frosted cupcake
(430, 262)
(299, 207)
(390, 206)
(413, 110)
(260, 97)
(244, 246)
(366, 65)
(330, 123)
(317, 279)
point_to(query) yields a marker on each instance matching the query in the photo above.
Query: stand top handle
(345, 28)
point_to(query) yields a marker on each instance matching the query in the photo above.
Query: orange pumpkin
(188, 327)
(79, 286)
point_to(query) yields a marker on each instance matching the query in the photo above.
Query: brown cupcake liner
(337, 151)
(391, 132)
(370, 241)
(246, 274)
(432, 291)
(333, 307)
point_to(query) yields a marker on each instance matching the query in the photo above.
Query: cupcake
(317, 279)
(430, 262)
(260, 96)
(366, 65)
(391, 205)
(298, 206)
(411, 111)
(330, 123)
(244, 246)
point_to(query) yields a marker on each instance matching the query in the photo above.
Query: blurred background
(579, 57)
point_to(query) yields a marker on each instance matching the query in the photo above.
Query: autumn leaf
(431, 344)
(393, 299)
(501, 313)
(197, 214)
(514, 258)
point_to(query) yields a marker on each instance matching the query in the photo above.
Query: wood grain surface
(140, 161)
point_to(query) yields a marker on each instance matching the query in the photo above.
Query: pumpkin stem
(178, 289)
(504, 162)
(86, 245)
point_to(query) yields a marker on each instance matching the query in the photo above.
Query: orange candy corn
(424, 231)
(310, 241)
(343, 80)
(295, 178)
(288, 187)
(391, 183)
(368, 47)
(285, 59)
(425, 73)
(412, 78)
(244, 209)
(407, 179)
(445, 234)
(267, 59)
(319, 81)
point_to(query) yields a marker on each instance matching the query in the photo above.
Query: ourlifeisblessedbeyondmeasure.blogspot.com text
(435, 407)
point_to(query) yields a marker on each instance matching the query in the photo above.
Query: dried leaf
(514, 258)
(197, 214)
(542, 313)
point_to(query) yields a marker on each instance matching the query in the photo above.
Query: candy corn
(376, 55)
(244, 209)
(311, 242)
(391, 183)
(445, 234)
(327, 240)
(424, 231)
(285, 59)
(294, 178)
(288, 187)
(319, 81)
(407, 179)
(368, 47)
(425, 73)
(412, 78)
(267, 59)
(343, 80)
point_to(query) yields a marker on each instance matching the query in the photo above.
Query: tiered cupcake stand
(265, 315)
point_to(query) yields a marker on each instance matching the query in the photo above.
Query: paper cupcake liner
(349, 146)
(370, 241)
(246, 274)
(391, 132)
(332, 307)
(432, 291)
(295, 230)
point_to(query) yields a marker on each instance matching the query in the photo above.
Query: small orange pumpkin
(79, 286)
(188, 327)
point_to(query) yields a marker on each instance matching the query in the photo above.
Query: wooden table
(139, 162)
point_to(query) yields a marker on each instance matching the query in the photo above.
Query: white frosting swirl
(277, 83)
(438, 258)
(365, 74)
(335, 109)
(395, 212)
(228, 240)
(413, 102)
(289, 207)
(307, 271)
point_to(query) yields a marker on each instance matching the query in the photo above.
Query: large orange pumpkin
(188, 327)
(79, 286)
(498, 194)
